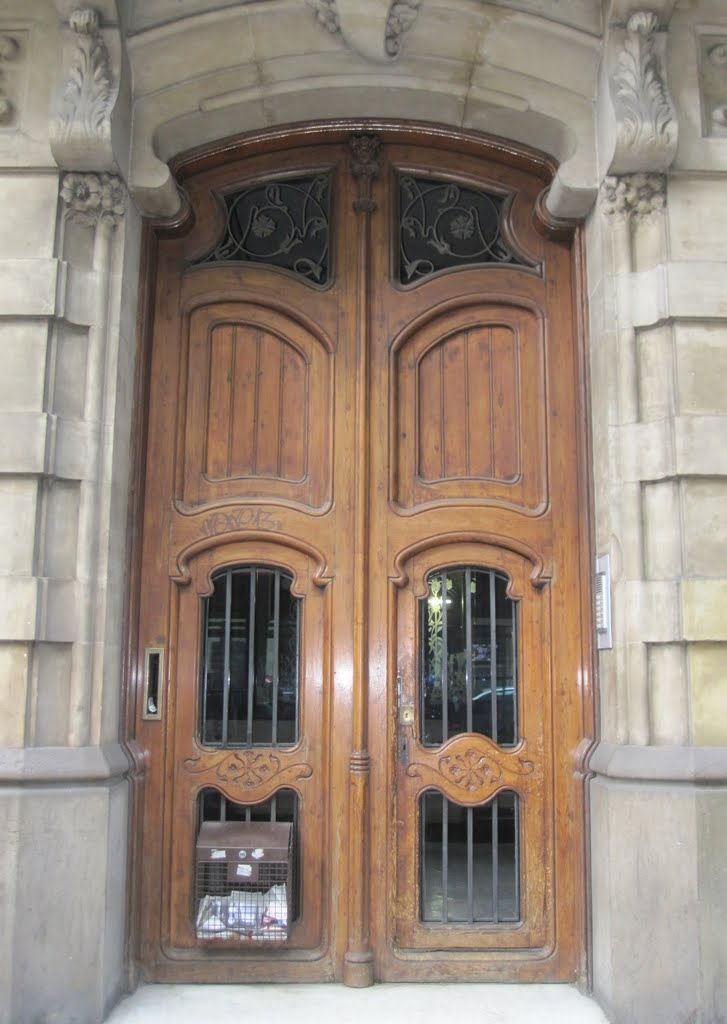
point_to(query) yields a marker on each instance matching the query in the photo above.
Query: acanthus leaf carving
(645, 117)
(80, 130)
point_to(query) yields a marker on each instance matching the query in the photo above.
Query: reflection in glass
(470, 860)
(468, 657)
(250, 662)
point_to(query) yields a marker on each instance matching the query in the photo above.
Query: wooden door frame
(269, 141)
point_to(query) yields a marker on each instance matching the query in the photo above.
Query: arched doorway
(363, 612)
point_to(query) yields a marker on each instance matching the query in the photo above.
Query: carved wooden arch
(511, 555)
(199, 562)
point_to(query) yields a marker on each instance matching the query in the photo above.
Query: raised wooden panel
(258, 407)
(254, 377)
(468, 401)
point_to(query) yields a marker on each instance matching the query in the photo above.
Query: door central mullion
(358, 961)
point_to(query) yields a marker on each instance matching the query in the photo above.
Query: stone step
(335, 1004)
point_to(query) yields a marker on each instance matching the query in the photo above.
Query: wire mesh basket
(244, 881)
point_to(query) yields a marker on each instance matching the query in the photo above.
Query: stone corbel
(641, 131)
(81, 116)
(373, 29)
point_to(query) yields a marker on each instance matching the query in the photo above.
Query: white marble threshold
(336, 1004)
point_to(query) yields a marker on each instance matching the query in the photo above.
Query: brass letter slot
(153, 683)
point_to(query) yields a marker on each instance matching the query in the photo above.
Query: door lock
(406, 715)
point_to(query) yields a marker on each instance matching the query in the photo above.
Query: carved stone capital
(629, 195)
(373, 29)
(646, 127)
(91, 198)
(80, 129)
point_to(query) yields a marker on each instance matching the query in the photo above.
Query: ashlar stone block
(28, 223)
(701, 366)
(18, 503)
(704, 516)
(708, 693)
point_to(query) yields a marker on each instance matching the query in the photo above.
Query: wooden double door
(362, 608)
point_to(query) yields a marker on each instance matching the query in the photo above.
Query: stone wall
(68, 278)
(657, 263)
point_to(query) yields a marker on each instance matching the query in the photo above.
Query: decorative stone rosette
(90, 198)
(640, 194)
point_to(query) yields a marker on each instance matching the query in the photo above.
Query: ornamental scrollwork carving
(9, 50)
(713, 85)
(91, 198)
(629, 195)
(326, 13)
(248, 769)
(374, 30)
(645, 116)
(472, 772)
(364, 168)
(402, 15)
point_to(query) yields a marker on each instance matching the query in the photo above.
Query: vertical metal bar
(274, 809)
(495, 863)
(423, 855)
(445, 859)
(468, 644)
(445, 679)
(276, 660)
(516, 853)
(515, 681)
(251, 655)
(297, 669)
(226, 669)
(470, 868)
(205, 738)
(223, 808)
(248, 814)
(493, 657)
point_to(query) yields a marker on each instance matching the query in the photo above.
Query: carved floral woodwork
(249, 769)
(646, 126)
(472, 769)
